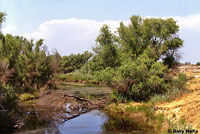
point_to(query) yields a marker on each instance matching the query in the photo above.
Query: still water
(88, 123)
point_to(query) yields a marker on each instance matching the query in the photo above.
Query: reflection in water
(50, 121)
(89, 123)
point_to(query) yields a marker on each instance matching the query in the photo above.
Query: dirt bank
(187, 106)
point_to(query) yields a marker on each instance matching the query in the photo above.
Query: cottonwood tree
(160, 34)
(140, 46)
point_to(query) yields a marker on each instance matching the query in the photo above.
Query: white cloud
(8, 29)
(70, 35)
(190, 33)
(77, 35)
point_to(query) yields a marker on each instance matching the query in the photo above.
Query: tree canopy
(143, 51)
(160, 34)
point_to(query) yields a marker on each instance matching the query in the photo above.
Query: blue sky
(71, 26)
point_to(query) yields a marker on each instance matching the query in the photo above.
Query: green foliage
(29, 64)
(177, 88)
(77, 77)
(105, 50)
(105, 75)
(143, 51)
(134, 118)
(142, 78)
(94, 65)
(2, 18)
(180, 125)
(180, 81)
(142, 33)
(75, 61)
(8, 100)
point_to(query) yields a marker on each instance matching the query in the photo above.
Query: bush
(180, 81)
(141, 79)
(105, 75)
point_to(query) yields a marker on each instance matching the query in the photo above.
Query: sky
(71, 26)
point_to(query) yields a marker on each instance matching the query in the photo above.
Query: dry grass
(188, 105)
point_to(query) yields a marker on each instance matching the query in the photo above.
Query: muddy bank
(59, 106)
(75, 99)
(59, 98)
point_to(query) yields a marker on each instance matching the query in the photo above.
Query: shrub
(142, 78)
(105, 75)
(141, 118)
(180, 81)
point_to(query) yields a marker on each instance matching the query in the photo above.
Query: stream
(45, 120)
(88, 123)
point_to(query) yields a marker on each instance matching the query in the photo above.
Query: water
(40, 120)
(88, 123)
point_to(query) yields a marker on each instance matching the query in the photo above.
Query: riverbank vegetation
(25, 67)
(136, 62)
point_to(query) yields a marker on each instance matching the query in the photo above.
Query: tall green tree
(106, 48)
(141, 46)
(157, 33)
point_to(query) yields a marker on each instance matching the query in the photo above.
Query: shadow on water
(40, 120)
(50, 121)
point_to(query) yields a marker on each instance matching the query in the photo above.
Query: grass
(131, 117)
(78, 77)
(143, 118)
(169, 96)
(83, 90)
(180, 125)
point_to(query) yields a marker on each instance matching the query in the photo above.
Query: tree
(140, 47)
(75, 61)
(29, 63)
(141, 79)
(8, 99)
(160, 34)
(2, 18)
(106, 48)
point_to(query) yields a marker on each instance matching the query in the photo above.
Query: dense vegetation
(135, 61)
(74, 61)
(25, 67)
